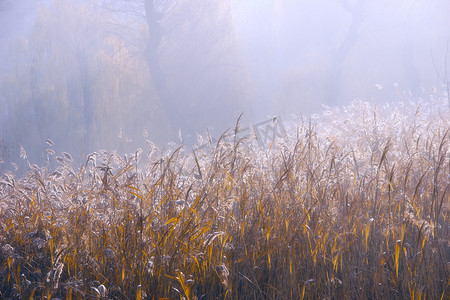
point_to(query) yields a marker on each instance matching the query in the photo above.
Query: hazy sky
(289, 42)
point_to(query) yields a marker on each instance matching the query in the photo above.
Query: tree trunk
(411, 71)
(90, 137)
(168, 102)
(333, 83)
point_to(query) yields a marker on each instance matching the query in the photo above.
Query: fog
(92, 75)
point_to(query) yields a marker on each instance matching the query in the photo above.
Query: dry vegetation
(354, 205)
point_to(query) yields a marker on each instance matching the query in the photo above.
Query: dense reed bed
(353, 204)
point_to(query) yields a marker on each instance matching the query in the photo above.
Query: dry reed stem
(356, 205)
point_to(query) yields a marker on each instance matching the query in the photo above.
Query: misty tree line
(110, 74)
(97, 74)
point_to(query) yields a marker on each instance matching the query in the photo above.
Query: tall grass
(354, 205)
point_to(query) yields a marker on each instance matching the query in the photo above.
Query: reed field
(350, 204)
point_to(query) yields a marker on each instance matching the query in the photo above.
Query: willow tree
(194, 65)
(69, 74)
